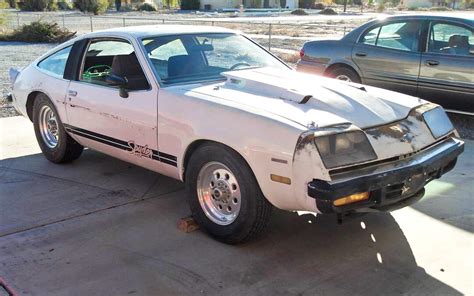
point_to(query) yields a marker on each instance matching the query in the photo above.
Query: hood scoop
(258, 82)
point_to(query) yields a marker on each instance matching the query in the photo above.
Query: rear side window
(402, 36)
(56, 63)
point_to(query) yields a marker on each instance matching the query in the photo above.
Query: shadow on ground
(100, 226)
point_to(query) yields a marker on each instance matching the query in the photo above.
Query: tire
(250, 209)
(65, 149)
(344, 73)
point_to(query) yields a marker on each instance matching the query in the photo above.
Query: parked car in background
(210, 107)
(429, 56)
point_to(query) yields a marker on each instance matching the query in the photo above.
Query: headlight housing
(438, 122)
(343, 149)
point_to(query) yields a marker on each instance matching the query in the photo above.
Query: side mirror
(120, 81)
(471, 51)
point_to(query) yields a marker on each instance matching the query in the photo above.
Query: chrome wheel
(48, 126)
(219, 193)
(343, 78)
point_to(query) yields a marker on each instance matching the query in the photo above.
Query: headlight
(342, 149)
(438, 122)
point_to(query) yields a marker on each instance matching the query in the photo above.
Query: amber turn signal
(280, 179)
(351, 199)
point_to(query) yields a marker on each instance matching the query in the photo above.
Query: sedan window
(401, 36)
(450, 39)
(56, 63)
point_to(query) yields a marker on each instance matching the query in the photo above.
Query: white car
(211, 108)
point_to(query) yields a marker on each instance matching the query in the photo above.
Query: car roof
(157, 30)
(462, 17)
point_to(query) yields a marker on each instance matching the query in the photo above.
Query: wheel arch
(193, 146)
(341, 64)
(30, 102)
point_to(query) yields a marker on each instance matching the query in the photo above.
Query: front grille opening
(394, 191)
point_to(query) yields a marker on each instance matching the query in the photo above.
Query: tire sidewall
(249, 190)
(57, 153)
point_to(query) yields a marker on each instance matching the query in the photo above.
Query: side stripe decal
(120, 144)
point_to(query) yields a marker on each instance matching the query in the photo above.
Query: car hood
(308, 99)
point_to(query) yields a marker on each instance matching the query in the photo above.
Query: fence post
(92, 28)
(64, 22)
(344, 30)
(18, 19)
(123, 20)
(269, 37)
(212, 23)
(163, 21)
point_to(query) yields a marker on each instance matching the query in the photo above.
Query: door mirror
(116, 80)
(120, 81)
(471, 51)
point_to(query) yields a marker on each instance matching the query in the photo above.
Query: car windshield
(200, 57)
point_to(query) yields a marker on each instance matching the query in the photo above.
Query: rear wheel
(223, 195)
(344, 74)
(56, 145)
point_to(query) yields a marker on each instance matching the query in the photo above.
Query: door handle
(361, 54)
(431, 63)
(72, 93)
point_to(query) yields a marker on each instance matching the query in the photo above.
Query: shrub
(39, 31)
(190, 4)
(319, 5)
(64, 6)
(4, 4)
(34, 5)
(94, 6)
(381, 7)
(146, 7)
(328, 11)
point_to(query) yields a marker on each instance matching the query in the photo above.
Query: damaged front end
(380, 168)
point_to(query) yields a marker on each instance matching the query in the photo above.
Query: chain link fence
(278, 36)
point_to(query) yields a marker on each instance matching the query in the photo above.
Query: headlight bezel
(438, 122)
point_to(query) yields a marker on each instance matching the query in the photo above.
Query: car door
(447, 66)
(388, 55)
(105, 119)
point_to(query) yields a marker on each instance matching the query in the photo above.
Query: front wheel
(224, 196)
(57, 146)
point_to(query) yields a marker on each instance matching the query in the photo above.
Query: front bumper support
(392, 185)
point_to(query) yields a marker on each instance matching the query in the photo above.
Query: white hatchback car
(210, 107)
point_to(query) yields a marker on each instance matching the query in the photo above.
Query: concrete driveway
(100, 226)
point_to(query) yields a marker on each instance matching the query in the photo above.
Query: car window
(199, 57)
(113, 57)
(450, 39)
(400, 35)
(170, 46)
(56, 63)
(371, 36)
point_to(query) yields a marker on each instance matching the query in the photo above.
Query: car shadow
(298, 255)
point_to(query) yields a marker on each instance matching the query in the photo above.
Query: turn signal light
(351, 199)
